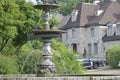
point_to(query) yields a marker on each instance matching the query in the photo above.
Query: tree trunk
(3, 44)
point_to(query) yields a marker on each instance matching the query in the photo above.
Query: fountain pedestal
(46, 67)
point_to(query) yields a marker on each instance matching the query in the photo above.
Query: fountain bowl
(47, 33)
(46, 6)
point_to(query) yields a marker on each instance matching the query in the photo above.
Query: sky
(34, 1)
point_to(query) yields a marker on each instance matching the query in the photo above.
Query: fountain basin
(45, 34)
(46, 6)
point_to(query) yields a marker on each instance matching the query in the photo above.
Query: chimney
(96, 1)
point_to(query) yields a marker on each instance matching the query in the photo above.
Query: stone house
(92, 28)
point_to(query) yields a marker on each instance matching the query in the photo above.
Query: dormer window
(74, 15)
(109, 30)
(96, 1)
(98, 12)
(118, 29)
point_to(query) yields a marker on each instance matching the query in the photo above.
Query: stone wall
(64, 78)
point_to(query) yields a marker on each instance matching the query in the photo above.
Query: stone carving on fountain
(47, 67)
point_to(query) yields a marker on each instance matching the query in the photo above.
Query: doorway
(75, 47)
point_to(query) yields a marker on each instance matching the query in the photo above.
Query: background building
(92, 28)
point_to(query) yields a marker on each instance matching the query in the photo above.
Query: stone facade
(83, 37)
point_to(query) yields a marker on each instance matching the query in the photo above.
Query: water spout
(27, 59)
(58, 55)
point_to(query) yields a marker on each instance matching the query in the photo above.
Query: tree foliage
(8, 65)
(28, 62)
(66, 6)
(65, 60)
(53, 22)
(113, 56)
(30, 17)
(8, 17)
(17, 18)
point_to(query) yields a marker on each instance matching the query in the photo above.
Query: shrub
(8, 65)
(113, 56)
(29, 57)
(28, 62)
(65, 60)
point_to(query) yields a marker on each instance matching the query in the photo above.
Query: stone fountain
(47, 67)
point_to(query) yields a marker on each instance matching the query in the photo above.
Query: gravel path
(117, 71)
(104, 70)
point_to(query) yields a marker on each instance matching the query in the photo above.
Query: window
(95, 48)
(74, 15)
(92, 32)
(98, 12)
(109, 31)
(89, 49)
(73, 33)
(118, 29)
(66, 35)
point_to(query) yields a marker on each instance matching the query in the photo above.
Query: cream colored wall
(99, 33)
(82, 36)
(82, 39)
(109, 44)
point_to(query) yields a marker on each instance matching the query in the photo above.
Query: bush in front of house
(65, 60)
(113, 56)
(8, 65)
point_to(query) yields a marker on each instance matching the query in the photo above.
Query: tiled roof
(111, 13)
(111, 38)
(85, 11)
(63, 21)
(86, 15)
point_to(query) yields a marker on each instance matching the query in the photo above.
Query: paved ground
(103, 70)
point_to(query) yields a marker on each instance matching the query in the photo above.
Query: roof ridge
(80, 13)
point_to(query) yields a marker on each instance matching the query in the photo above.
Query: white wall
(99, 33)
(82, 38)
(79, 38)
(111, 43)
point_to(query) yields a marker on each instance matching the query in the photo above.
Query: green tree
(17, 18)
(8, 65)
(67, 6)
(113, 56)
(53, 22)
(8, 17)
(30, 18)
(65, 60)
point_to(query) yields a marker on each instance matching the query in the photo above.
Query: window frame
(109, 29)
(118, 29)
(89, 48)
(73, 33)
(95, 48)
(92, 32)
